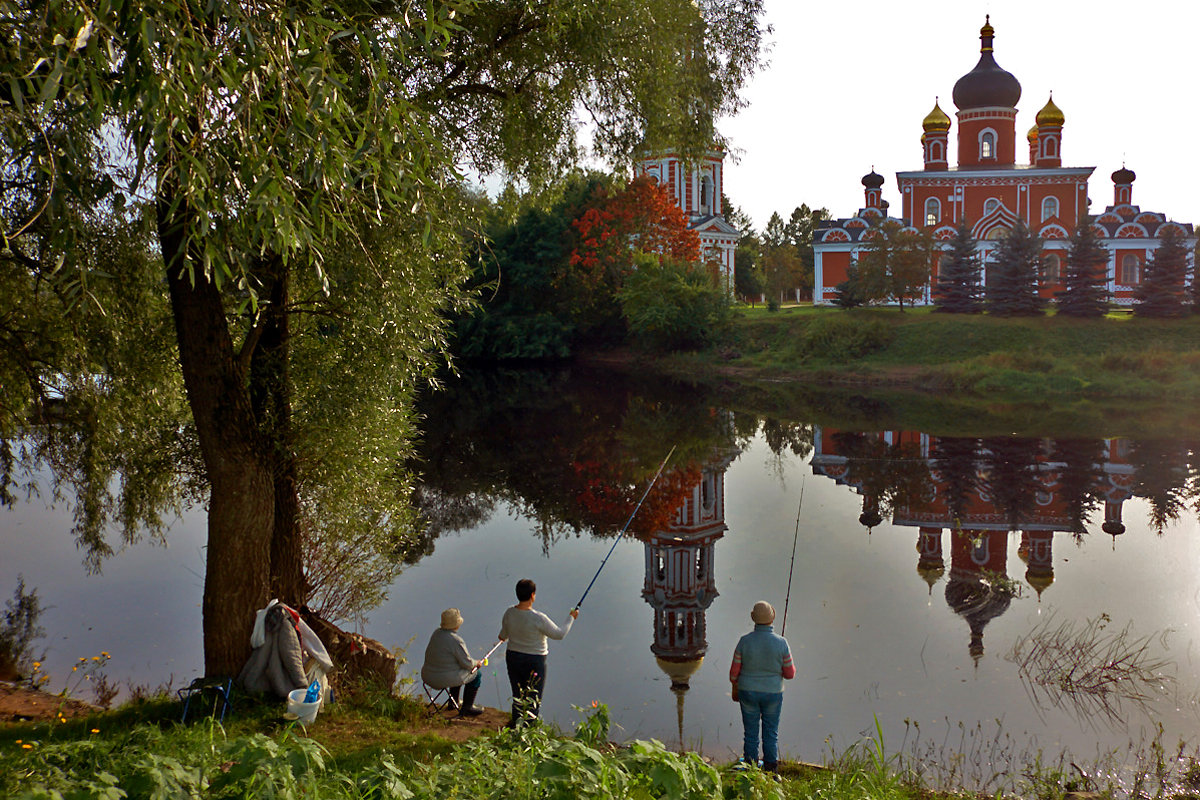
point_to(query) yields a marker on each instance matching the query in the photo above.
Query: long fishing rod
(627, 523)
(792, 567)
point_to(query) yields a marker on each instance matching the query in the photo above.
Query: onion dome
(1032, 135)
(1050, 114)
(986, 85)
(1039, 579)
(680, 672)
(1113, 528)
(1122, 175)
(936, 120)
(872, 180)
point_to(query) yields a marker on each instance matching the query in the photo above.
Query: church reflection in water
(978, 491)
(680, 580)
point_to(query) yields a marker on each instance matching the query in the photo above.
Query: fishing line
(627, 523)
(792, 567)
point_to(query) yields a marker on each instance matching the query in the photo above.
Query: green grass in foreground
(1118, 356)
(363, 751)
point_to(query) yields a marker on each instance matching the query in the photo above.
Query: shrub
(672, 306)
(843, 338)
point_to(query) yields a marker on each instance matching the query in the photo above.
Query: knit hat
(451, 619)
(763, 613)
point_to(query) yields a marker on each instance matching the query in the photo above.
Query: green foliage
(842, 338)
(592, 730)
(849, 293)
(958, 289)
(1161, 292)
(672, 306)
(895, 264)
(19, 631)
(1012, 275)
(1085, 290)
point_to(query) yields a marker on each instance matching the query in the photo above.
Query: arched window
(990, 205)
(706, 195)
(987, 145)
(1049, 208)
(935, 152)
(1051, 269)
(1051, 147)
(1131, 270)
(933, 211)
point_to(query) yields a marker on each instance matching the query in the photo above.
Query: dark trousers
(470, 689)
(527, 679)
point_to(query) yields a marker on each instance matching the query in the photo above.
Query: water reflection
(978, 490)
(680, 580)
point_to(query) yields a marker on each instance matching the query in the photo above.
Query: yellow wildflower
(95, 730)
(26, 747)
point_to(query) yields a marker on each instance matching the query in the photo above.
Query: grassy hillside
(1118, 356)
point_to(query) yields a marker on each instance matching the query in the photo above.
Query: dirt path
(20, 704)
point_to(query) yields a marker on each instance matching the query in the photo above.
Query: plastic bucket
(305, 712)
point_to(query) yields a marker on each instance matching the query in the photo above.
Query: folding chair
(439, 699)
(220, 690)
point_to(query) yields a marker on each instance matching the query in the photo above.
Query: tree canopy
(959, 289)
(1012, 274)
(1085, 286)
(1161, 292)
(299, 166)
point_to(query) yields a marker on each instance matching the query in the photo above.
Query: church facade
(989, 190)
(697, 190)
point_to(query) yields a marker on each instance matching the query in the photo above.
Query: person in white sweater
(526, 631)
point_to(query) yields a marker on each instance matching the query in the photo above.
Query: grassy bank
(1118, 357)
(366, 751)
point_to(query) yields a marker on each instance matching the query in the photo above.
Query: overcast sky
(849, 84)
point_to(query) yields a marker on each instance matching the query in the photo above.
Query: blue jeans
(764, 706)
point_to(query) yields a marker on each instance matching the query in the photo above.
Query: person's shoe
(470, 711)
(770, 766)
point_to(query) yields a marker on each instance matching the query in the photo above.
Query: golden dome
(1032, 135)
(936, 120)
(1050, 114)
(680, 672)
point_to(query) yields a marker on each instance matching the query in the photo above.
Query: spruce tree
(1161, 291)
(958, 289)
(1085, 286)
(849, 293)
(1012, 275)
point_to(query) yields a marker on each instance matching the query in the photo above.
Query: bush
(672, 305)
(842, 338)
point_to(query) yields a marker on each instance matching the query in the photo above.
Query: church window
(990, 205)
(708, 494)
(933, 211)
(1049, 208)
(1051, 147)
(706, 194)
(1051, 269)
(935, 152)
(1131, 268)
(660, 566)
(987, 145)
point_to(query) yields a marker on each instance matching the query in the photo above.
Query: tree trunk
(271, 395)
(241, 505)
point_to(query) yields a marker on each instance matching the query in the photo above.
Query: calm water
(926, 569)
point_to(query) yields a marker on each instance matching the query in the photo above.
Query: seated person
(448, 664)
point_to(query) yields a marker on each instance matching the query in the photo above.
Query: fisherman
(526, 631)
(761, 663)
(448, 664)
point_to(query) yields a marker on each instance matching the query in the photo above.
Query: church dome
(872, 180)
(1124, 175)
(987, 85)
(680, 672)
(1050, 114)
(1032, 135)
(936, 120)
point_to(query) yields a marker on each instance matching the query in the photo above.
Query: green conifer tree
(1085, 286)
(1161, 292)
(1012, 275)
(959, 289)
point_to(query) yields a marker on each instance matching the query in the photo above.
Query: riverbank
(1117, 357)
(386, 747)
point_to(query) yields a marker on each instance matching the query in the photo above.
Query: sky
(848, 86)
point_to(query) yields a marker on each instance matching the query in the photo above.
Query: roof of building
(987, 85)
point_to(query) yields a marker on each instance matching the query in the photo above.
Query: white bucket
(305, 712)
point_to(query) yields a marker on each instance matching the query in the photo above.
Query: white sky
(849, 84)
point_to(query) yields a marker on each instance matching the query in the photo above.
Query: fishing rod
(792, 567)
(627, 523)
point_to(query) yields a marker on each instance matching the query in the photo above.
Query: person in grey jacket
(448, 664)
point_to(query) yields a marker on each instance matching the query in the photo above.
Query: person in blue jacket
(762, 661)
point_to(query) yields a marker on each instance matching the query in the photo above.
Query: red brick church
(990, 190)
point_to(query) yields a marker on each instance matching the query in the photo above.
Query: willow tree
(300, 160)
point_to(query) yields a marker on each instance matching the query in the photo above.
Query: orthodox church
(697, 190)
(990, 190)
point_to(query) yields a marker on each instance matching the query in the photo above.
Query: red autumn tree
(641, 217)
